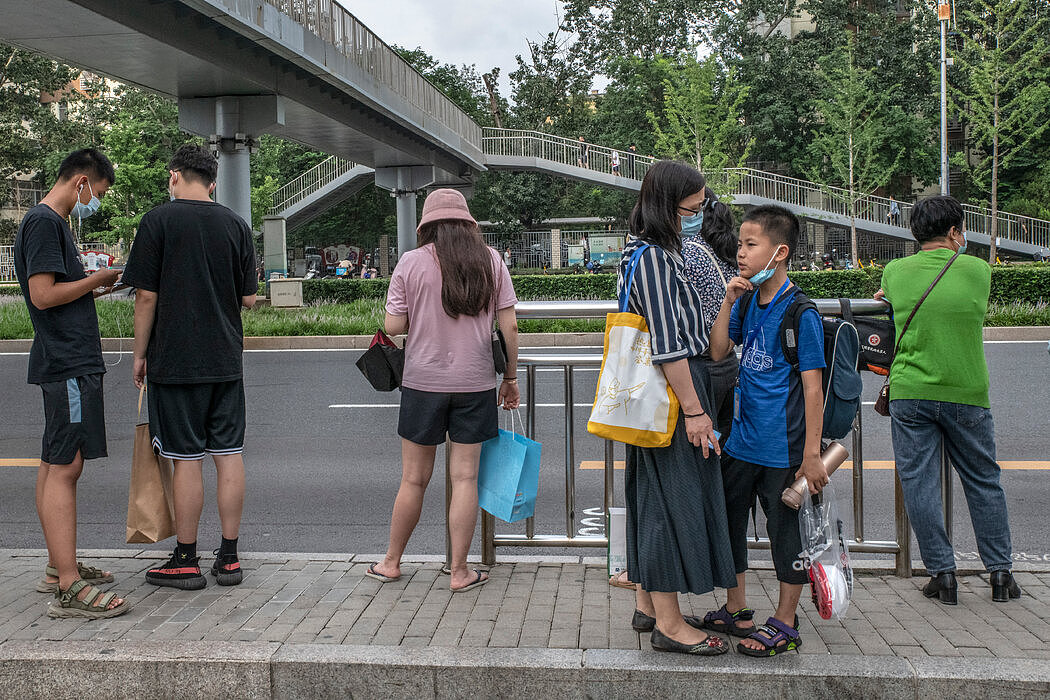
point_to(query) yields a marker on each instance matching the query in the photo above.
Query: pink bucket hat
(445, 204)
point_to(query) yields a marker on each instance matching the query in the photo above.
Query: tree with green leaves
(1001, 90)
(701, 119)
(854, 143)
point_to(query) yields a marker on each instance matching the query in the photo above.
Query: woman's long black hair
(655, 216)
(719, 229)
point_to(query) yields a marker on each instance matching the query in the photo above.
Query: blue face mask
(962, 248)
(766, 272)
(83, 211)
(692, 224)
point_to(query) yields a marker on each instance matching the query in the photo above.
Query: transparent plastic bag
(824, 549)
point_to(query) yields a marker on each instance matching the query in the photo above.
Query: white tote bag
(634, 403)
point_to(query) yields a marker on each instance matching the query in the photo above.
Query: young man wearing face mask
(193, 264)
(66, 361)
(777, 423)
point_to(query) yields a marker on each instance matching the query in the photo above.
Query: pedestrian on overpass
(446, 295)
(66, 362)
(581, 158)
(939, 396)
(193, 265)
(677, 532)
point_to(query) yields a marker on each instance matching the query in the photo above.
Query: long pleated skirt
(677, 532)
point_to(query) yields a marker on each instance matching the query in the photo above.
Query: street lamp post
(943, 14)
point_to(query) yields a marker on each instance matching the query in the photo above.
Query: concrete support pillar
(275, 247)
(233, 182)
(405, 183)
(556, 261)
(230, 124)
(406, 213)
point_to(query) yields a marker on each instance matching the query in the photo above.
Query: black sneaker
(176, 573)
(226, 569)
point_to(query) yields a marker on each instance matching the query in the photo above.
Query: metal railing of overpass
(834, 200)
(565, 151)
(731, 182)
(900, 546)
(312, 181)
(334, 24)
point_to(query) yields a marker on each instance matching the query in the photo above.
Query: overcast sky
(484, 32)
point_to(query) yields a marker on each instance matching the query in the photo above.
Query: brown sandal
(88, 573)
(622, 580)
(94, 606)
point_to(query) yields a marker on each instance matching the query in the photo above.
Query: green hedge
(1010, 283)
(1020, 283)
(10, 290)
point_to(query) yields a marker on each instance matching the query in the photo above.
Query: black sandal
(725, 622)
(775, 637)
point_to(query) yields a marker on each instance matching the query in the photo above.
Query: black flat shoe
(712, 646)
(1004, 587)
(641, 622)
(943, 587)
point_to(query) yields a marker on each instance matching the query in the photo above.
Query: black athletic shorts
(743, 482)
(74, 419)
(187, 421)
(467, 418)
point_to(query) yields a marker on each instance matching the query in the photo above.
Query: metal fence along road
(900, 546)
(7, 263)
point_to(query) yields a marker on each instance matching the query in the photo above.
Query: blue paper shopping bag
(509, 475)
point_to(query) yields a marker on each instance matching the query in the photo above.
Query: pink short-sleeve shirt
(444, 354)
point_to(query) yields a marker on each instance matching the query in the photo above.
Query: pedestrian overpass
(516, 150)
(309, 71)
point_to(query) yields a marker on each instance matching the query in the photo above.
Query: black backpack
(841, 383)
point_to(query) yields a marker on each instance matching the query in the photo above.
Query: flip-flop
(619, 582)
(481, 580)
(372, 573)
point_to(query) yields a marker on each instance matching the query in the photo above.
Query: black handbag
(499, 351)
(383, 364)
(877, 336)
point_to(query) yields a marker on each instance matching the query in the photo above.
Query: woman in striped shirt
(677, 534)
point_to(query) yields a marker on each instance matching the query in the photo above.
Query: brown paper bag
(151, 497)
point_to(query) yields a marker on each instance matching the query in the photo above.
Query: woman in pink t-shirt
(446, 295)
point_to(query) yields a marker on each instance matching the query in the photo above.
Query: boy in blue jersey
(777, 423)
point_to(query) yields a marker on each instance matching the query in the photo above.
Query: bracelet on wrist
(692, 415)
(511, 380)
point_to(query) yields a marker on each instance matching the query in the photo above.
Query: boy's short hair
(933, 217)
(778, 223)
(87, 161)
(195, 163)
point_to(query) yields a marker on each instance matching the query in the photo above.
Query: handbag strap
(142, 392)
(629, 276)
(714, 261)
(922, 299)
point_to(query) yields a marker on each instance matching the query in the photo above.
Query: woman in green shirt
(939, 394)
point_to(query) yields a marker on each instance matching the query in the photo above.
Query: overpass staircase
(336, 179)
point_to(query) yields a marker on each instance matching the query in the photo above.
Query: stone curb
(878, 567)
(269, 670)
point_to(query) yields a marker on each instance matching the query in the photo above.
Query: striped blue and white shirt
(671, 306)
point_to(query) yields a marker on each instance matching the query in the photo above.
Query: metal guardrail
(536, 144)
(313, 180)
(900, 547)
(331, 22)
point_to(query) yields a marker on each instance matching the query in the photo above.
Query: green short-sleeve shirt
(942, 355)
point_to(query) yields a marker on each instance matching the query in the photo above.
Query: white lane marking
(397, 405)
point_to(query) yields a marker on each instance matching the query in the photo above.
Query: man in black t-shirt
(66, 361)
(193, 265)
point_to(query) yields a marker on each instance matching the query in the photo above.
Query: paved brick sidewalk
(326, 599)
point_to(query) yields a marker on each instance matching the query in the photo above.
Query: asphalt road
(323, 458)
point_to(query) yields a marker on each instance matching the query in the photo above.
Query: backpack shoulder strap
(743, 304)
(789, 326)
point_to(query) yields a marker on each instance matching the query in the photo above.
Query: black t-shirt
(199, 258)
(65, 341)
